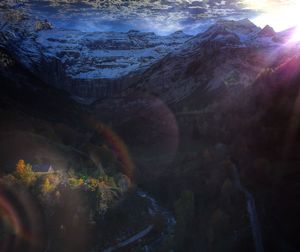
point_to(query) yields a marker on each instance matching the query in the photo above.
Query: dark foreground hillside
(252, 133)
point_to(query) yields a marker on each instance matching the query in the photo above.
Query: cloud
(162, 16)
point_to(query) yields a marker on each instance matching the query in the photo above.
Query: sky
(280, 14)
(163, 16)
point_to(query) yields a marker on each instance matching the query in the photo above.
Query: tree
(24, 172)
(28, 168)
(227, 192)
(93, 183)
(46, 186)
(21, 167)
(185, 213)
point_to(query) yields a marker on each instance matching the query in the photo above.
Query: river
(154, 209)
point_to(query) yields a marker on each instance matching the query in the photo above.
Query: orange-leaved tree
(24, 172)
(21, 167)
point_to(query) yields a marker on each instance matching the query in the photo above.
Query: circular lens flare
(118, 146)
(21, 225)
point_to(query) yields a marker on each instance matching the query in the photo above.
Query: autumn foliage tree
(24, 172)
(21, 167)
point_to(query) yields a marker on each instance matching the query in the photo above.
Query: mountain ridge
(97, 65)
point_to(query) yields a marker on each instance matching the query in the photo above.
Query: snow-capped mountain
(225, 59)
(73, 57)
(97, 55)
(229, 53)
(105, 64)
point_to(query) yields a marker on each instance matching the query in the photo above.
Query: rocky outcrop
(43, 25)
(6, 60)
(267, 31)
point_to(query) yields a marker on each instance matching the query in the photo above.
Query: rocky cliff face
(85, 63)
(106, 55)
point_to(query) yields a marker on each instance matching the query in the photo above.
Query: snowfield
(101, 55)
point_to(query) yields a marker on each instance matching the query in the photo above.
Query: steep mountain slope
(230, 53)
(43, 124)
(226, 58)
(265, 115)
(32, 113)
(256, 128)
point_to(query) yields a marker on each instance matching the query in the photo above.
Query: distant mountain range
(106, 55)
(100, 65)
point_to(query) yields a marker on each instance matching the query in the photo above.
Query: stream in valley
(154, 209)
(252, 214)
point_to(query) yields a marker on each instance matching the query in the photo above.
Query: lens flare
(281, 15)
(118, 146)
(9, 213)
(148, 121)
(20, 222)
(296, 35)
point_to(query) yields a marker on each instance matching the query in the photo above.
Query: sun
(296, 35)
(281, 15)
